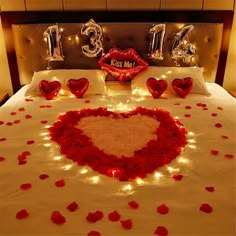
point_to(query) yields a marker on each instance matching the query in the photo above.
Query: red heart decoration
(78, 87)
(182, 86)
(49, 89)
(77, 146)
(156, 87)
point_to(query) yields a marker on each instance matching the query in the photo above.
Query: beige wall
(28, 5)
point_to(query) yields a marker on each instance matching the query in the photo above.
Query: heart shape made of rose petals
(156, 87)
(78, 87)
(164, 145)
(182, 87)
(49, 89)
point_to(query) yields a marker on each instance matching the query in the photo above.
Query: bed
(115, 154)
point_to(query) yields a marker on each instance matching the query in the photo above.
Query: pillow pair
(95, 77)
(49, 90)
(169, 75)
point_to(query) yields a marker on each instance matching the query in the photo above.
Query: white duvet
(206, 167)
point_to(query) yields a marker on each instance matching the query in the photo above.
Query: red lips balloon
(156, 87)
(78, 87)
(182, 86)
(49, 89)
(122, 65)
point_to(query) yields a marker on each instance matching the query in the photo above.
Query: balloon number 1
(156, 44)
(181, 48)
(94, 31)
(53, 38)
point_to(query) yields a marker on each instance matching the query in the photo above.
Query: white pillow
(138, 84)
(96, 80)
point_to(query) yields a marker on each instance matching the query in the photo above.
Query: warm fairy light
(139, 181)
(127, 188)
(190, 133)
(67, 167)
(46, 138)
(47, 126)
(169, 72)
(183, 160)
(163, 76)
(57, 158)
(172, 169)
(44, 134)
(83, 171)
(157, 175)
(191, 140)
(61, 29)
(94, 179)
(69, 38)
(45, 39)
(47, 144)
(176, 117)
(192, 146)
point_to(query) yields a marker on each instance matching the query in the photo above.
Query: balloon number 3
(94, 31)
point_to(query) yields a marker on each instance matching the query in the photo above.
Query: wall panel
(181, 4)
(12, 5)
(133, 5)
(218, 5)
(41, 5)
(84, 5)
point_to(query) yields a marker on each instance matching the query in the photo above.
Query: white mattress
(92, 191)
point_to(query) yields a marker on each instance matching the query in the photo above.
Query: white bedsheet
(199, 164)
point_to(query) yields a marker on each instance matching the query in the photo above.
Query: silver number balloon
(156, 44)
(53, 36)
(94, 31)
(181, 48)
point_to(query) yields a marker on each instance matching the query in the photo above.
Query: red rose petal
(220, 108)
(44, 121)
(42, 106)
(29, 100)
(43, 176)
(126, 224)
(177, 177)
(206, 208)
(13, 113)
(133, 204)
(161, 231)
(2, 139)
(210, 189)
(93, 233)
(2, 158)
(94, 216)
(57, 218)
(87, 101)
(230, 156)
(218, 125)
(214, 152)
(22, 214)
(28, 116)
(25, 186)
(187, 115)
(214, 114)
(29, 142)
(224, 137)
(188, 107)
(163, 209)
(22, 162)
(9, 123)
(48, 106)
(1, 122)
(60, 183)
(16, 121)
(114, 216)
(72, 206)
(21, 109)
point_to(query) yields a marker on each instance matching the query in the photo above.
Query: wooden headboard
(26, 50)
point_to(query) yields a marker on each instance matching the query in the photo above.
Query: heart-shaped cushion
(162, 145)
(156, 87)
(182, 87)
(49, 89)
(78, 87)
